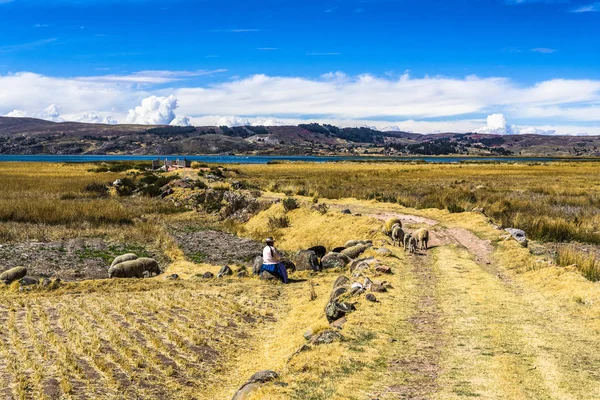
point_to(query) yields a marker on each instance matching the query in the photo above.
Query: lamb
(134, 268)
(124, 257)
(397, 235)
(422, 236)
(389, 224)
(408, 241)
(13, 274)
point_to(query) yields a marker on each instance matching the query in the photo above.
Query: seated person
(272, 261)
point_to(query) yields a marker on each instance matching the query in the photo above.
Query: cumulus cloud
(50, 113)
(94, 118)
(181, 121)
(393, 128)
(231, 121)
(156, 110)
(497, 125)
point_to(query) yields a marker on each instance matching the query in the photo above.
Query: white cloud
(232, 121)
(93, 118)
(594, 7)
(155, 110)
(544, 50)
(50, 113)
(181, 121)
(418, 104)
(496, 124)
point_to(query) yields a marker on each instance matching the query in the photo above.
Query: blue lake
(225, 159)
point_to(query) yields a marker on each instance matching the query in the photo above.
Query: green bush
(290, 204)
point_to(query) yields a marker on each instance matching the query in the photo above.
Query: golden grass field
(475, 316)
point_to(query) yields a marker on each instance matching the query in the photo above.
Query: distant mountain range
(35, 136)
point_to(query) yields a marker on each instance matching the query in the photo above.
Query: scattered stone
(518, 235)
(45, 282)
(208, 275)
(335, 260)
(267, 276)
(337, 292)
(378, 288)
(339, 323)
(477, 210)
(28, 281)
(368, 261)
(326, 337)
(336, 310)
(166, 193)
(242, 274)
(383, 269)
(173, 277)
(308, 334)
(392, 340)
(263, 376)
(224, 271)
(341, 281)
(371, 297)
(346, 211)
(382, 251)
(307, 260)
(367, 284)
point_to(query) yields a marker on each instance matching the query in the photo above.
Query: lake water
(223, 159)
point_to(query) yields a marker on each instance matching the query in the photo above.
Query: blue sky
(194, 50)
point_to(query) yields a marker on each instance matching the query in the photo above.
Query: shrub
(290, 204)
(320, 208)
(100, 189)
(279, 222)
(455, 208)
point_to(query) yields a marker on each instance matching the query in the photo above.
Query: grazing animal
(13, 274)
(134, 268)
(389, 224)
(320, 251)
(406, 241)
(412, 244)
(356, 250)
(422, 236)
(338, 250)
(397, 235)
(124, 257)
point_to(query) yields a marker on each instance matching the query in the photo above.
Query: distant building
(168, 165)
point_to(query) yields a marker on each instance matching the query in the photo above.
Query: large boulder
(518, 235)
(335, 260)
(337, 292)
(257, 264)
(341, 281)
(307, 260)
(267, 276)
(335, 310)
(327, 336)
(13, 274)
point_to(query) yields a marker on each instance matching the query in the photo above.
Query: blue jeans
(276, 269)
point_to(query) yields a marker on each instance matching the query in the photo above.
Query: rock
(367, 284)
(335, 310)
(337, 292)
(118, 182)
(335, 260)
(518, 235)
(371, 297)
(363, 266)
(13, 274)
(477, 210)
(383, 269)
(289, 265)
(377, 287)
(46, 282)
(341, 281)
(346, 211)
(356, 290)
(224, 271)
(257, 265)
(308, 334)
(267, 276)
(368, 261)
(28, 281)
(242, 274)
(326, 337)
(208, 275)
(173, 277)
(339, 323)
(166, 193)
(263, 376)
(382, 251)
(245, 391)
(306, 260)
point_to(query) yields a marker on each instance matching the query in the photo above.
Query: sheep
(352, 243)
(134, 268)
(406, 242)
(320, 251)
(422, 236)
(13, 274)
(412, 244)
(124, 257)
(397, 235)
(356, 250)
(387, 227)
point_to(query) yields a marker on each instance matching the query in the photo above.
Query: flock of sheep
(410, 241)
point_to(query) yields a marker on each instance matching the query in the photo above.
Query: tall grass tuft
(586, 263)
